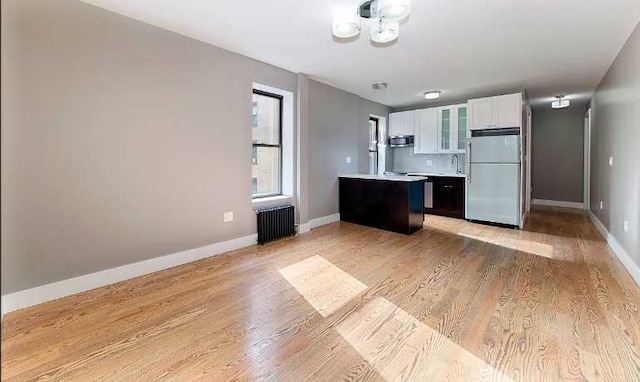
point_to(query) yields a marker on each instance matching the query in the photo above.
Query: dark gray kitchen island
(392, 203)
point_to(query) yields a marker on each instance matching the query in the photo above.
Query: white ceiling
(462, 47)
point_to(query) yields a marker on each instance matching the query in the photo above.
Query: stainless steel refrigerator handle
(468, 160)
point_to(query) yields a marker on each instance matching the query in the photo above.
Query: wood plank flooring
(456, 301)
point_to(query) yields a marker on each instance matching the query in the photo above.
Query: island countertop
(392, 178)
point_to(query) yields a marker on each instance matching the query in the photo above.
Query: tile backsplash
(404, 159)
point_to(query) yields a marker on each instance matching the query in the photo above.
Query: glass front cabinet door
(461, 128)
(444, 123)
(452, 128)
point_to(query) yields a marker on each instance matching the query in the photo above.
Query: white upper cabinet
(509, 110)
(452, 128)
(462, 120)
(445, 128)
(483, 113)
(426, 128)
(402, 123)
(435, 130)
(496, 112)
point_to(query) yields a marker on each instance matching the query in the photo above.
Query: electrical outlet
(429, 162)
(610, 161)
(228, 217)
(601, 204)
(626, 226)
(348, 159)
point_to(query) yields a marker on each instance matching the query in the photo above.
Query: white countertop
(394, 178)
(420, 173)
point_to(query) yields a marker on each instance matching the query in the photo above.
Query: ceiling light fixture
(346, 23)
(383, 32)
(560, 102)
(432, 94)
(394, 9)
(380, 86)
(385, 14)
(379, 90)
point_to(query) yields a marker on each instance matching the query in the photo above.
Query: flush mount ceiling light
(385, 14)
(432, 94)
(560, 102)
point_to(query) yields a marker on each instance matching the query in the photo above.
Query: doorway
(586, 188)
(527, 159)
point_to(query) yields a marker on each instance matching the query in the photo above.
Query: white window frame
(287, 158)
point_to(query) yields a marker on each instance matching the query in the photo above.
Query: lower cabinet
(391, 205)
(448, 197)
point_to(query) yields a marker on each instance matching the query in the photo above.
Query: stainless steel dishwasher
(428, 189)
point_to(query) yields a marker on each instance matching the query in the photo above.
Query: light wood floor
(455, 302)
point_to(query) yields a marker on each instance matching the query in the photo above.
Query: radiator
(275, 223)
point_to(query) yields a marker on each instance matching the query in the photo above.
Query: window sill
(271, 201)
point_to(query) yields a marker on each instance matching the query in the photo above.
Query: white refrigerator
(493, 176)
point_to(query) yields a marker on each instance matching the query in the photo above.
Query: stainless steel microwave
(401, 141)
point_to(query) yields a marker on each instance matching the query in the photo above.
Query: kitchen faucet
(455, 156)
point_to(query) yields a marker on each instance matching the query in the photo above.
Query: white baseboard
(556, 203)
(623, 256)
(304, 228)
(59, 289)
(315, 223)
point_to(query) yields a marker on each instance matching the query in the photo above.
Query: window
(267, 144)
(373, 134)
(373, 145)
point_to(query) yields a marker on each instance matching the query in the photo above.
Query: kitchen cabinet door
(460, 144)
(401, 123)
(448, 197)
(483, 113)
(446, 128)
(496, 112)
(508, 110)
(426, 137)
(452, 128)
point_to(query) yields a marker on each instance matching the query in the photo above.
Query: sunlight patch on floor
(518, 244)
(326, 287)
(401, 348)
(521, 241)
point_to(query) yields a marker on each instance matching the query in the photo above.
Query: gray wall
(338, 128)
(120, 141)
(616, 132)
(557, 169)
(367, 108)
